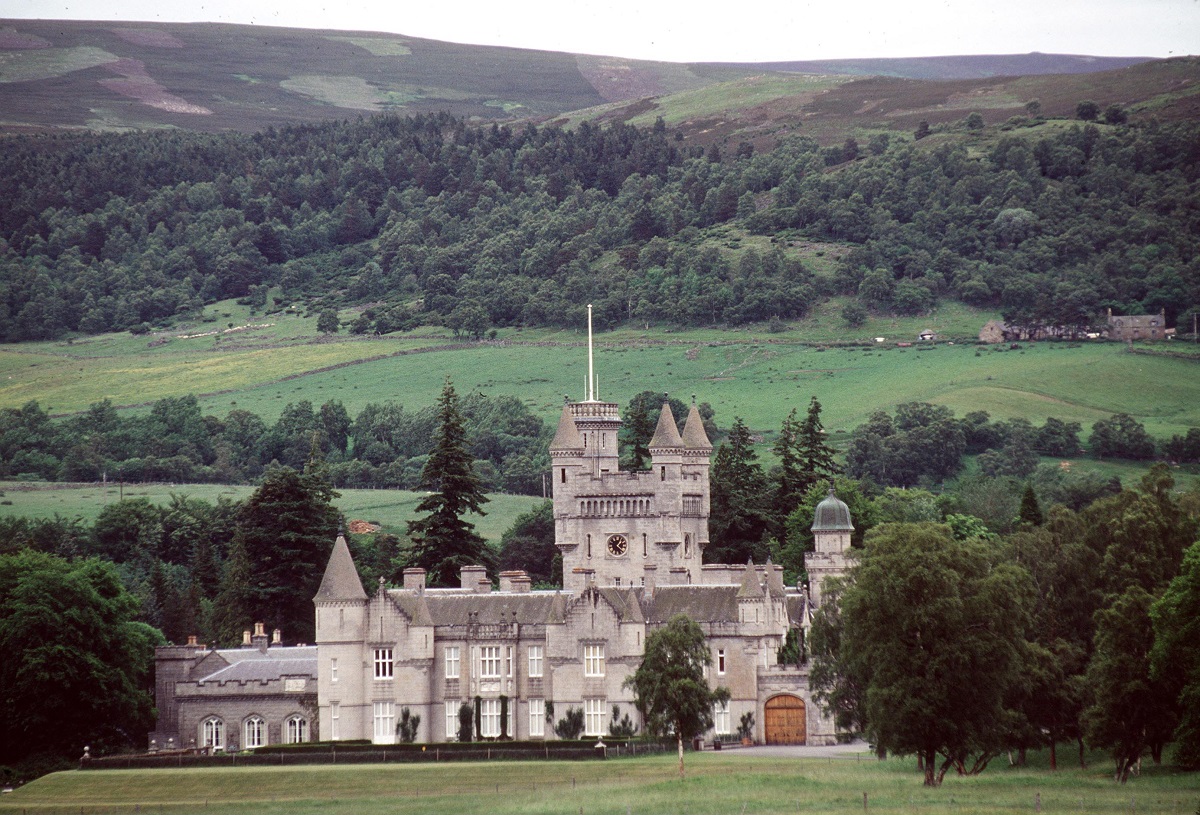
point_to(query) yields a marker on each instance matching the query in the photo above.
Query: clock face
(617, 545)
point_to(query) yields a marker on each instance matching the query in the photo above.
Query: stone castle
(632, 547)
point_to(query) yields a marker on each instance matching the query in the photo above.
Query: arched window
(295, 729)
(212, 733)
(687, 544)
(255, 733)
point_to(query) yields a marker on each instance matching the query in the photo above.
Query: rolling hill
(208, 77)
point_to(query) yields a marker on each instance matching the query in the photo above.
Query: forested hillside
(429, 220)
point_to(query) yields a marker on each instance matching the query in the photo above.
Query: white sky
(669, 30)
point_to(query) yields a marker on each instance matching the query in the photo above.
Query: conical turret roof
(341, 578)
(694, 437)
(567, 436)
(666, 434)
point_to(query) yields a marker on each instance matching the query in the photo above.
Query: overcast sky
(694, 32)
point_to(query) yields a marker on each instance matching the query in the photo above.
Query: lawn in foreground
(717, 783)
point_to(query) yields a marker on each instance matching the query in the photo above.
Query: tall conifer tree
(442, 541)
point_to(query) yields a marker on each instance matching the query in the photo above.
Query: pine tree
(804, 459)
(1031, 511)
(740, 514)
(442, 541)
(285, 533)
(816, 456)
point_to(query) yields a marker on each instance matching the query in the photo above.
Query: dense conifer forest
(427, 220)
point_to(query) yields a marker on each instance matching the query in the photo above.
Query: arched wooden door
(785, 720)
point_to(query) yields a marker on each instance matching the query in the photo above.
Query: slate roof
(341, 578)
(694, 437)
(567, 436)
(253, 665)
(454, 607)
(704, 604)
(666, 434)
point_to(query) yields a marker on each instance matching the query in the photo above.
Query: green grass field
(749, 373)
(389, 508)
(725, 783)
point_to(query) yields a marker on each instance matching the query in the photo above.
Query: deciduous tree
(933, 628)
(669, 687)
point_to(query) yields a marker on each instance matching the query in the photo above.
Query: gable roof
(435, 607)
(704, 604)
(341, 578)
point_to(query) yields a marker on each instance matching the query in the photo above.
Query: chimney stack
(259, 640)
(276, 637)
(515, 581)
(414, 579)
(246, 639)
(471, 575)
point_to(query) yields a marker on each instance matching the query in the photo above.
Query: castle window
(384, 667)
(535, 660)
(721, 718)
(452, 662)
(508, 661)
(489, 718)
(645, 551)
(537, 718)
(564, 475)
(212, 734)
(333, 674)
(593, 660)
(662, 476)
(687, 544)
(720, 662)
(589, 545)
(489, 662)
(593, 717)
(385, 722)
(452, 706)
(335, 717)
(295, 730)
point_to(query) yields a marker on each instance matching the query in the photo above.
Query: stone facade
(234, 698)
(1127, 328)
(632, 545)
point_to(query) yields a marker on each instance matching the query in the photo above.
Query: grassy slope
(751, 373)
(717, 783)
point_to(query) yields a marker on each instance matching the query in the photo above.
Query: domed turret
(832, 515)
(831, 530)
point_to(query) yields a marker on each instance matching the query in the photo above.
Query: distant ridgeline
(433, 221)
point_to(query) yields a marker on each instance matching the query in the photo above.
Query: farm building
(1137, 327)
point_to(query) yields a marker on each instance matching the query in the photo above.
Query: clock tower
(628, 529)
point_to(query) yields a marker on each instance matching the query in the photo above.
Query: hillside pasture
(723, 783)
(754, 374)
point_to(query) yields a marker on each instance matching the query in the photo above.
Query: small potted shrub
(746, 728)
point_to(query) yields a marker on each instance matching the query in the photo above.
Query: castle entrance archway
(785, 720)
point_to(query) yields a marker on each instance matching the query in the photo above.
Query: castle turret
(831, 530)
(341, 607)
